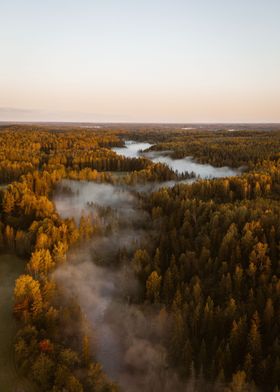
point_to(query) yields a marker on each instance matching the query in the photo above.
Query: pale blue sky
(156, 60)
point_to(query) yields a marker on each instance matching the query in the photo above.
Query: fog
(127, 336)
(73, 198)
(132, 149)
(201, 170)
(135, 149)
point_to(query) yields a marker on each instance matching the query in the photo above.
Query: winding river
(127, 335)
(134, 149)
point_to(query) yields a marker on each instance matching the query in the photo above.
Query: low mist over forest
(140, 257)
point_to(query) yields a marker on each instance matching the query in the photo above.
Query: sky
(140, 60)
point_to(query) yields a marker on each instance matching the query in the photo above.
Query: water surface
(134, 149)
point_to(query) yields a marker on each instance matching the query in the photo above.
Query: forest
(186, 268)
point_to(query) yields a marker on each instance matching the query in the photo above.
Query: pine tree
(153, 286)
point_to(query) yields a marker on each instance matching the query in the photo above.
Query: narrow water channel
(134, 149)
(127, 336)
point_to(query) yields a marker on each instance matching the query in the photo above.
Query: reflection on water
(136, 149)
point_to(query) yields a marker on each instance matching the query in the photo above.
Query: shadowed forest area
(152, 270)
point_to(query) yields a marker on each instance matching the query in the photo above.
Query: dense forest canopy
(209, 267)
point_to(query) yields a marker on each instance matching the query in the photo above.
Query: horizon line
(142, 122)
